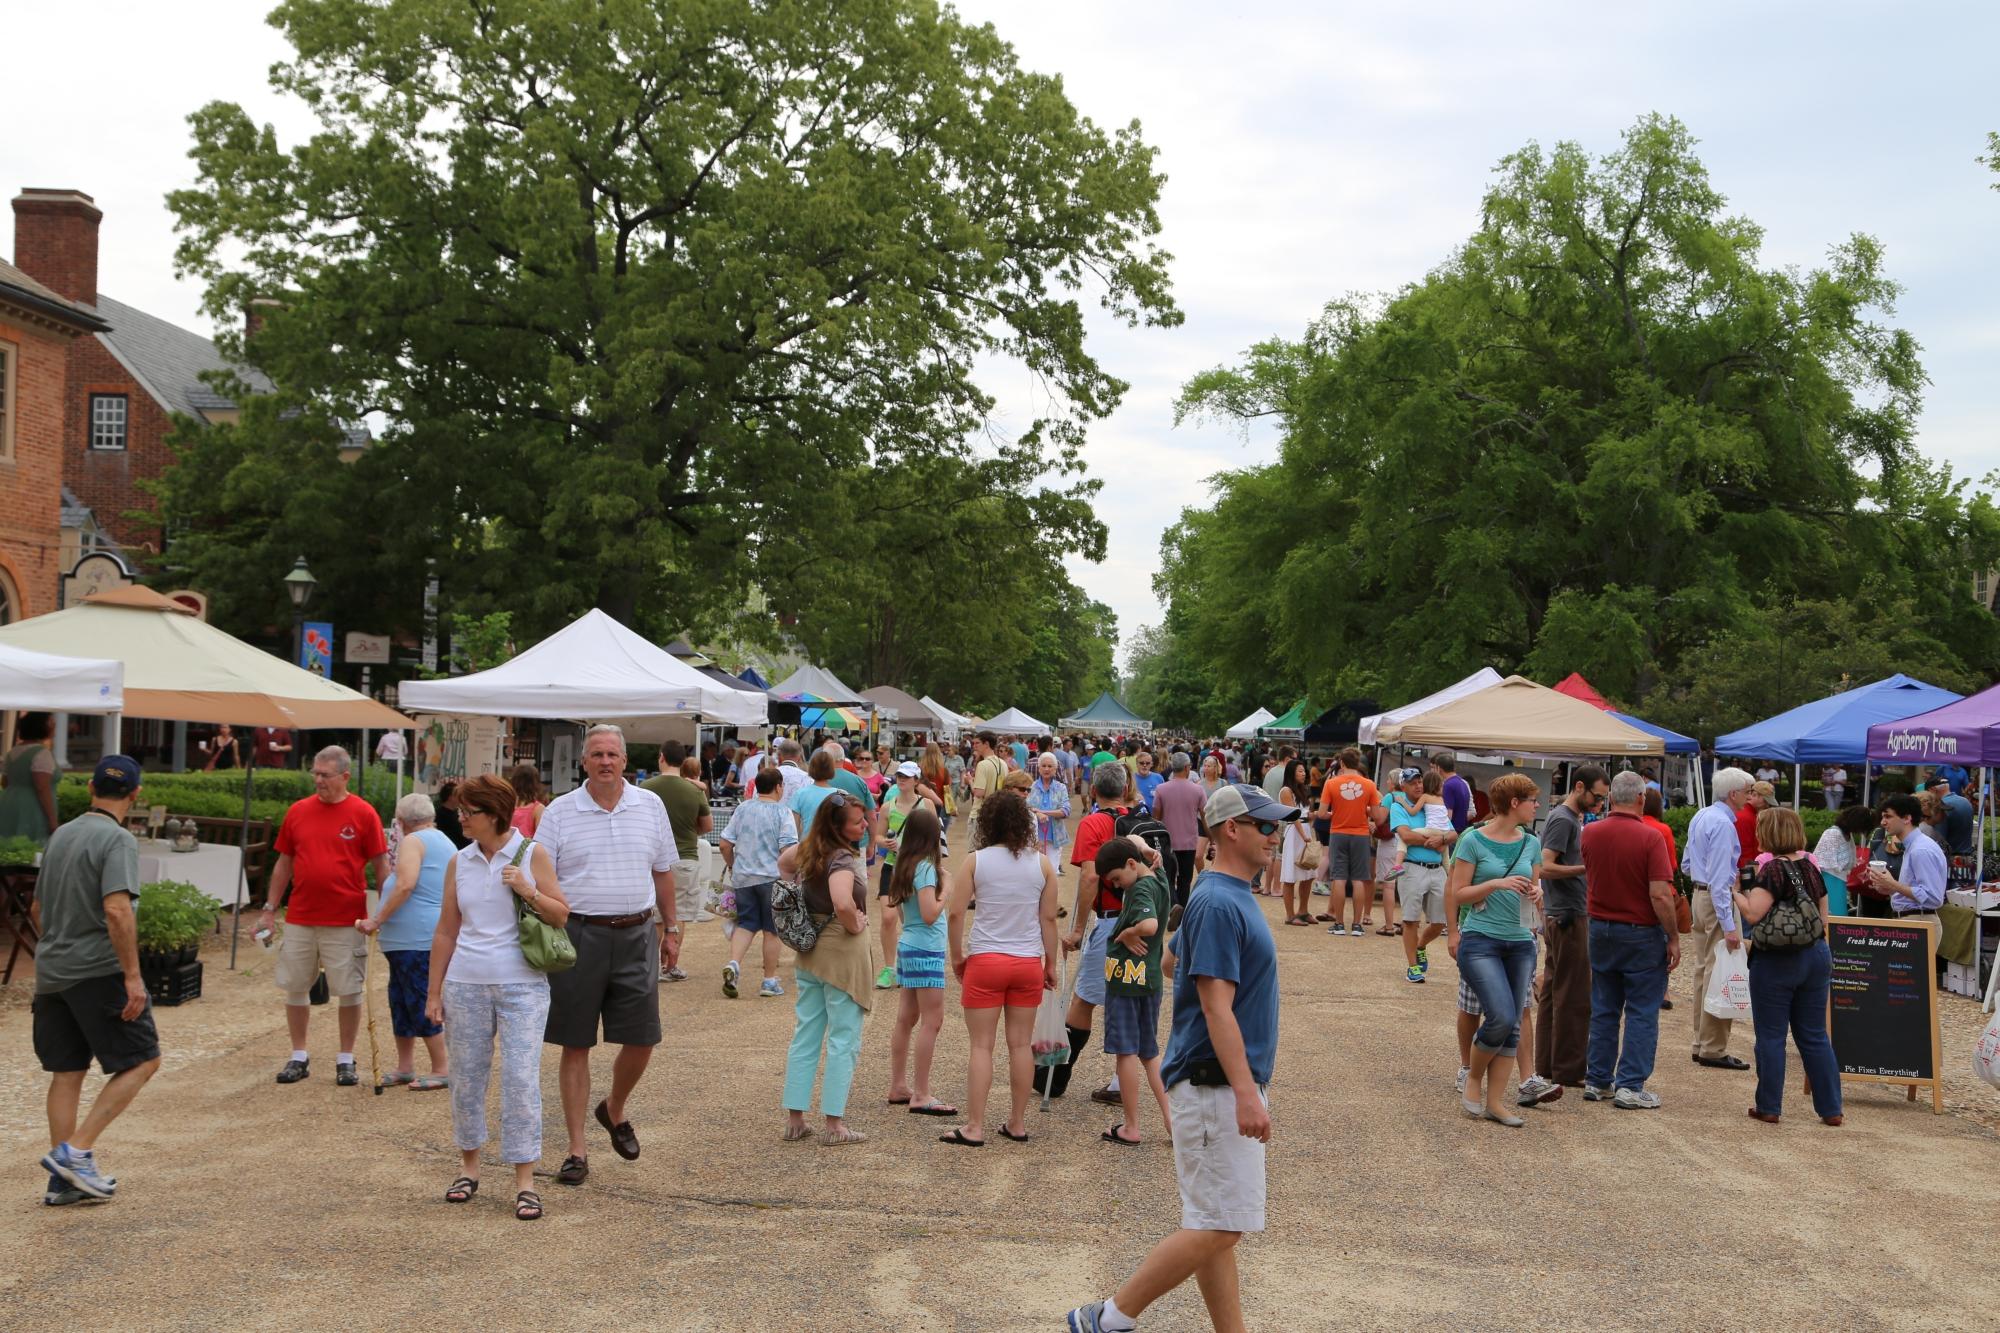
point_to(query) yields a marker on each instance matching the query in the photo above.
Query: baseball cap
(906, 769)
(1235, 800)
(115, 775)
(1403, 775)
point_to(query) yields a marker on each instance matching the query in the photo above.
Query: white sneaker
(1629, 1099)
(1464, 1073)
(1532, 1090)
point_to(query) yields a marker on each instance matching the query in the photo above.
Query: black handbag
(791, 920)
(1794, 921)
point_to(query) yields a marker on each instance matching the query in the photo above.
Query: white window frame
(98, 424)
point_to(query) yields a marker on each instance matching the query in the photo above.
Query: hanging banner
(316, 648)
(452, 748)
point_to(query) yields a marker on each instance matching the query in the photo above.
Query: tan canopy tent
(906, 712)
(181, 669)
(1517, 716)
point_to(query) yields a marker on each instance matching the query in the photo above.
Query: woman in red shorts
(1010, 960)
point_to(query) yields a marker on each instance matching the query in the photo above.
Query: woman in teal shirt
(1493, 895)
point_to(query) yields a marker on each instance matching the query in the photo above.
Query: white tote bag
(1728, 994)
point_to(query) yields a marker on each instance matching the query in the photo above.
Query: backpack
(1141, 825)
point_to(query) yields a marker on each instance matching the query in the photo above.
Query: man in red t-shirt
(1634, 944)
(1095, 911)
(325, 847)
(1762, 797)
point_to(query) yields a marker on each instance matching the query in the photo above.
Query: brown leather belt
(613, 922)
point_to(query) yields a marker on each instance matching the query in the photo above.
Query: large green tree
(1602, 435)
(634, 284)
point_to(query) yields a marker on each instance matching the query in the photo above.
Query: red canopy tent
(1576, 687)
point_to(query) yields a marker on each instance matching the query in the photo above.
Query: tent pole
(1867, 779)
(1798, 781)
(114, 734)
(242, 861)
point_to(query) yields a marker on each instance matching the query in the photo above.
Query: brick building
(39, 332)
(127, 378)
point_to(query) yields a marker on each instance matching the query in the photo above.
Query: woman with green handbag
(488, 985)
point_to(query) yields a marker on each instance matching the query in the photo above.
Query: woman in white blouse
(483, 990)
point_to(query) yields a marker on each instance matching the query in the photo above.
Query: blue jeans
(1628, 979)
(825, 1013)
(1501, 973)
(1788, 989)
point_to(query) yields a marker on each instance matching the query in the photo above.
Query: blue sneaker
(771, 986)
(1087, 1319)
(1415, 974)
(1424, 959)
(80, 1170)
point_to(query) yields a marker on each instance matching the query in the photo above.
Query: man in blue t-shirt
(1218, 1061)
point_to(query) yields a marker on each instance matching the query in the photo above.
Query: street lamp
(299, 585)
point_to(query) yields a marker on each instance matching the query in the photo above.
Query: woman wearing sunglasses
(836, 977)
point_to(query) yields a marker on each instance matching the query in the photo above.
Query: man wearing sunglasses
(1218, 1062)
(1562, 1034)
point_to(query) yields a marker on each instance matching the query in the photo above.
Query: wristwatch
(673, 929)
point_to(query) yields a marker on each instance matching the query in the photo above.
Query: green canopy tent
(1104, 714)
(1292, 726)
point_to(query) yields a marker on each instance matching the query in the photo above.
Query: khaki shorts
(687, 889)
(305, 951)
(1421, 892)
(1221, 1173)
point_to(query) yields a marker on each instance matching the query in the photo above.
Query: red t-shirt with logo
(330, 843)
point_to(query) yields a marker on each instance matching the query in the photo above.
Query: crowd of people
(1564, 926)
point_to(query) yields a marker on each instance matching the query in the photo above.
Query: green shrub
(220, 795)
(173, 914)
(18, 851)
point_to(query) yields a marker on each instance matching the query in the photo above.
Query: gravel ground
(246, 1204)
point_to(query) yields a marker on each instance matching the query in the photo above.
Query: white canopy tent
(1014, 722)
(1246, 730)
(52, 683)
(949, 723)
(823, 686)
(594, 669)
(1483, 679)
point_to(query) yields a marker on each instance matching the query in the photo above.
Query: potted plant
(172, 917)
(19, 851)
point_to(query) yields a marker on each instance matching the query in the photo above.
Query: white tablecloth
(212, 867)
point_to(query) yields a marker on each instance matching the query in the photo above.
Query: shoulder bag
(1794, 921)
(791, 920)
(546, 948)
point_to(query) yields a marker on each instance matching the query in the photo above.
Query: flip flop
(429, 1082)
(957, 1139)
(899, 1101)
(934, 1108)
(1113, 1136)
(1385, 931)
(394, 1079)
(1007, 1133)
(1322, 916)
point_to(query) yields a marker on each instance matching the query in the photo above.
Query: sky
(1311, 150)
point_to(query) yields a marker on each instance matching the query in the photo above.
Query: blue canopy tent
(1834, 729)
(748, 675)
(1676, 743)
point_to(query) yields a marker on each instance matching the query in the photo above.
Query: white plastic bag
(1050, 1043)
(1728, 994)
(1986, 1053)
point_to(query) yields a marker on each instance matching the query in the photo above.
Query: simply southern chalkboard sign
(1882, 1006)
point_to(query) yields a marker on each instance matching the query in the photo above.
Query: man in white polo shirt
(614, 853)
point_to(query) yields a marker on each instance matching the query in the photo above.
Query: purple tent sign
(1966, 733)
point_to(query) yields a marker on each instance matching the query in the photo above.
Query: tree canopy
(1599, 436)
(652, 300)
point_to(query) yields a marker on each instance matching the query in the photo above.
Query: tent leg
(114, 734)
(1798, 782)
(242, 861)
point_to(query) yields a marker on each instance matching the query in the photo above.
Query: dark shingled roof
(32, 295)
(168, 360)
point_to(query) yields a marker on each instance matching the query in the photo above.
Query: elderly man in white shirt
(614, 854)
(1713, 851)
(790, 752)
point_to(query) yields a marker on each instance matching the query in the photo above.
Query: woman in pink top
(528, 803)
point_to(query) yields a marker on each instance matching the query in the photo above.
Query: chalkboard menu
(1883, 1001)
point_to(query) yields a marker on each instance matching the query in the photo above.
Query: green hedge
(220, 795)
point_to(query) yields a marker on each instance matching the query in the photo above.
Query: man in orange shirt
(1350, 804)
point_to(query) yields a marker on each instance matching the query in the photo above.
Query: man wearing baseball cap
(1218, 1062)
(90, 1001)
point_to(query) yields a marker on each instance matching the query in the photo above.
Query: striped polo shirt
(605, 859)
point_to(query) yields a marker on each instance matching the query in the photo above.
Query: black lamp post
(299, 585)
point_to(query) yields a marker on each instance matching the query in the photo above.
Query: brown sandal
(528, 1206)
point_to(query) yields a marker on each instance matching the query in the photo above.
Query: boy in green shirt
(1135, 960)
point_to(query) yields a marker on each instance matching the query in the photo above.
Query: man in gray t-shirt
(90, 1001)
(1562, 1030)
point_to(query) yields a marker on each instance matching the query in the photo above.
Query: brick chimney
(55, 241)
